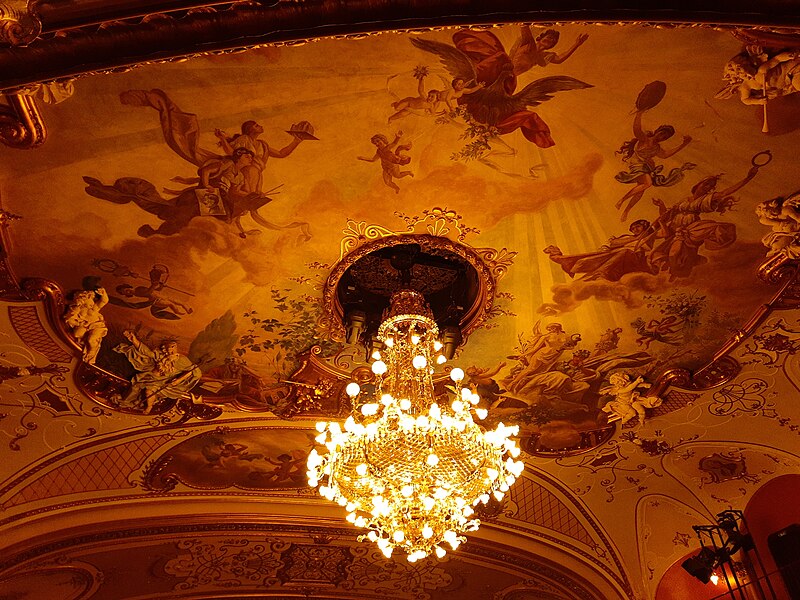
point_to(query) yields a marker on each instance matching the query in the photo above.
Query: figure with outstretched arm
(262, 151)
(391, 157)
(641, 153)
(529, 51)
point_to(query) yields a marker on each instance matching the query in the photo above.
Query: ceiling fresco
(622, 197)
(205, 203)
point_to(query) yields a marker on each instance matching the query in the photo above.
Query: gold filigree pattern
(439, 222)
(498, 261)
(358, 233)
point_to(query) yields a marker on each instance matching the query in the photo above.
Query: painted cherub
(424, 102)
(458, 88)
(87, 324)
(627, 402)
(391, 157)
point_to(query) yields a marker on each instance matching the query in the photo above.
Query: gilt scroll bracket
(21, 124)
(19, 23)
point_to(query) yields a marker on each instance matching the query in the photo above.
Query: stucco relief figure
(164, 373)
(757, 76)
(479, 56)
(783, 215)
(226, 187)
(87, 324)
(627, 402)
(640, 153)
(392, 157)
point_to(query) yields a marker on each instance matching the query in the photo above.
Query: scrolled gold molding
(19, 25)
(775, 270)
(21, 124)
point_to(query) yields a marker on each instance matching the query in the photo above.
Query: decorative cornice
(19, 25)
(120, 34)
(21, 124)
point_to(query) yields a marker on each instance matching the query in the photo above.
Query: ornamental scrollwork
(19, 25)
(21, 124)
(357, 233)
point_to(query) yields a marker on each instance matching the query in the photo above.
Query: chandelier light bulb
(379, 367)
(352, 389)
(376, 355)
(408, 449)
(369, 409)
(441, 359)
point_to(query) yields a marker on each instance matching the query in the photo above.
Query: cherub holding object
(424, 102)
(391, 157)
(87, 324)
(627, 402)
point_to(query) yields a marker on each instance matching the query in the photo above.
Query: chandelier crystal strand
(407, 465)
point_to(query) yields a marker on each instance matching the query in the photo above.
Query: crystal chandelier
(408, 465)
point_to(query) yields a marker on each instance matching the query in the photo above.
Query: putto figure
(392, 158)
(87, 324)
(783, 215)
(164, 373)
(628, 402)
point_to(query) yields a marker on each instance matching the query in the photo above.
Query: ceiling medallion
(411, 462)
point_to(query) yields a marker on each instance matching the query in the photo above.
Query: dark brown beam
(101, 42)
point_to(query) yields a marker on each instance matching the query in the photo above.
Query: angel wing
(543, 89)
(455, 61)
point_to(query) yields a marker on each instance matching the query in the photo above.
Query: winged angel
(479, 56)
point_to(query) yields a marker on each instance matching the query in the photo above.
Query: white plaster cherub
(628, 402)
(87, 324)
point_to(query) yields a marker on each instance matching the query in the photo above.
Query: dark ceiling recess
(448, 282)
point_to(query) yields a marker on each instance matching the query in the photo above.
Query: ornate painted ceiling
(623, 193)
